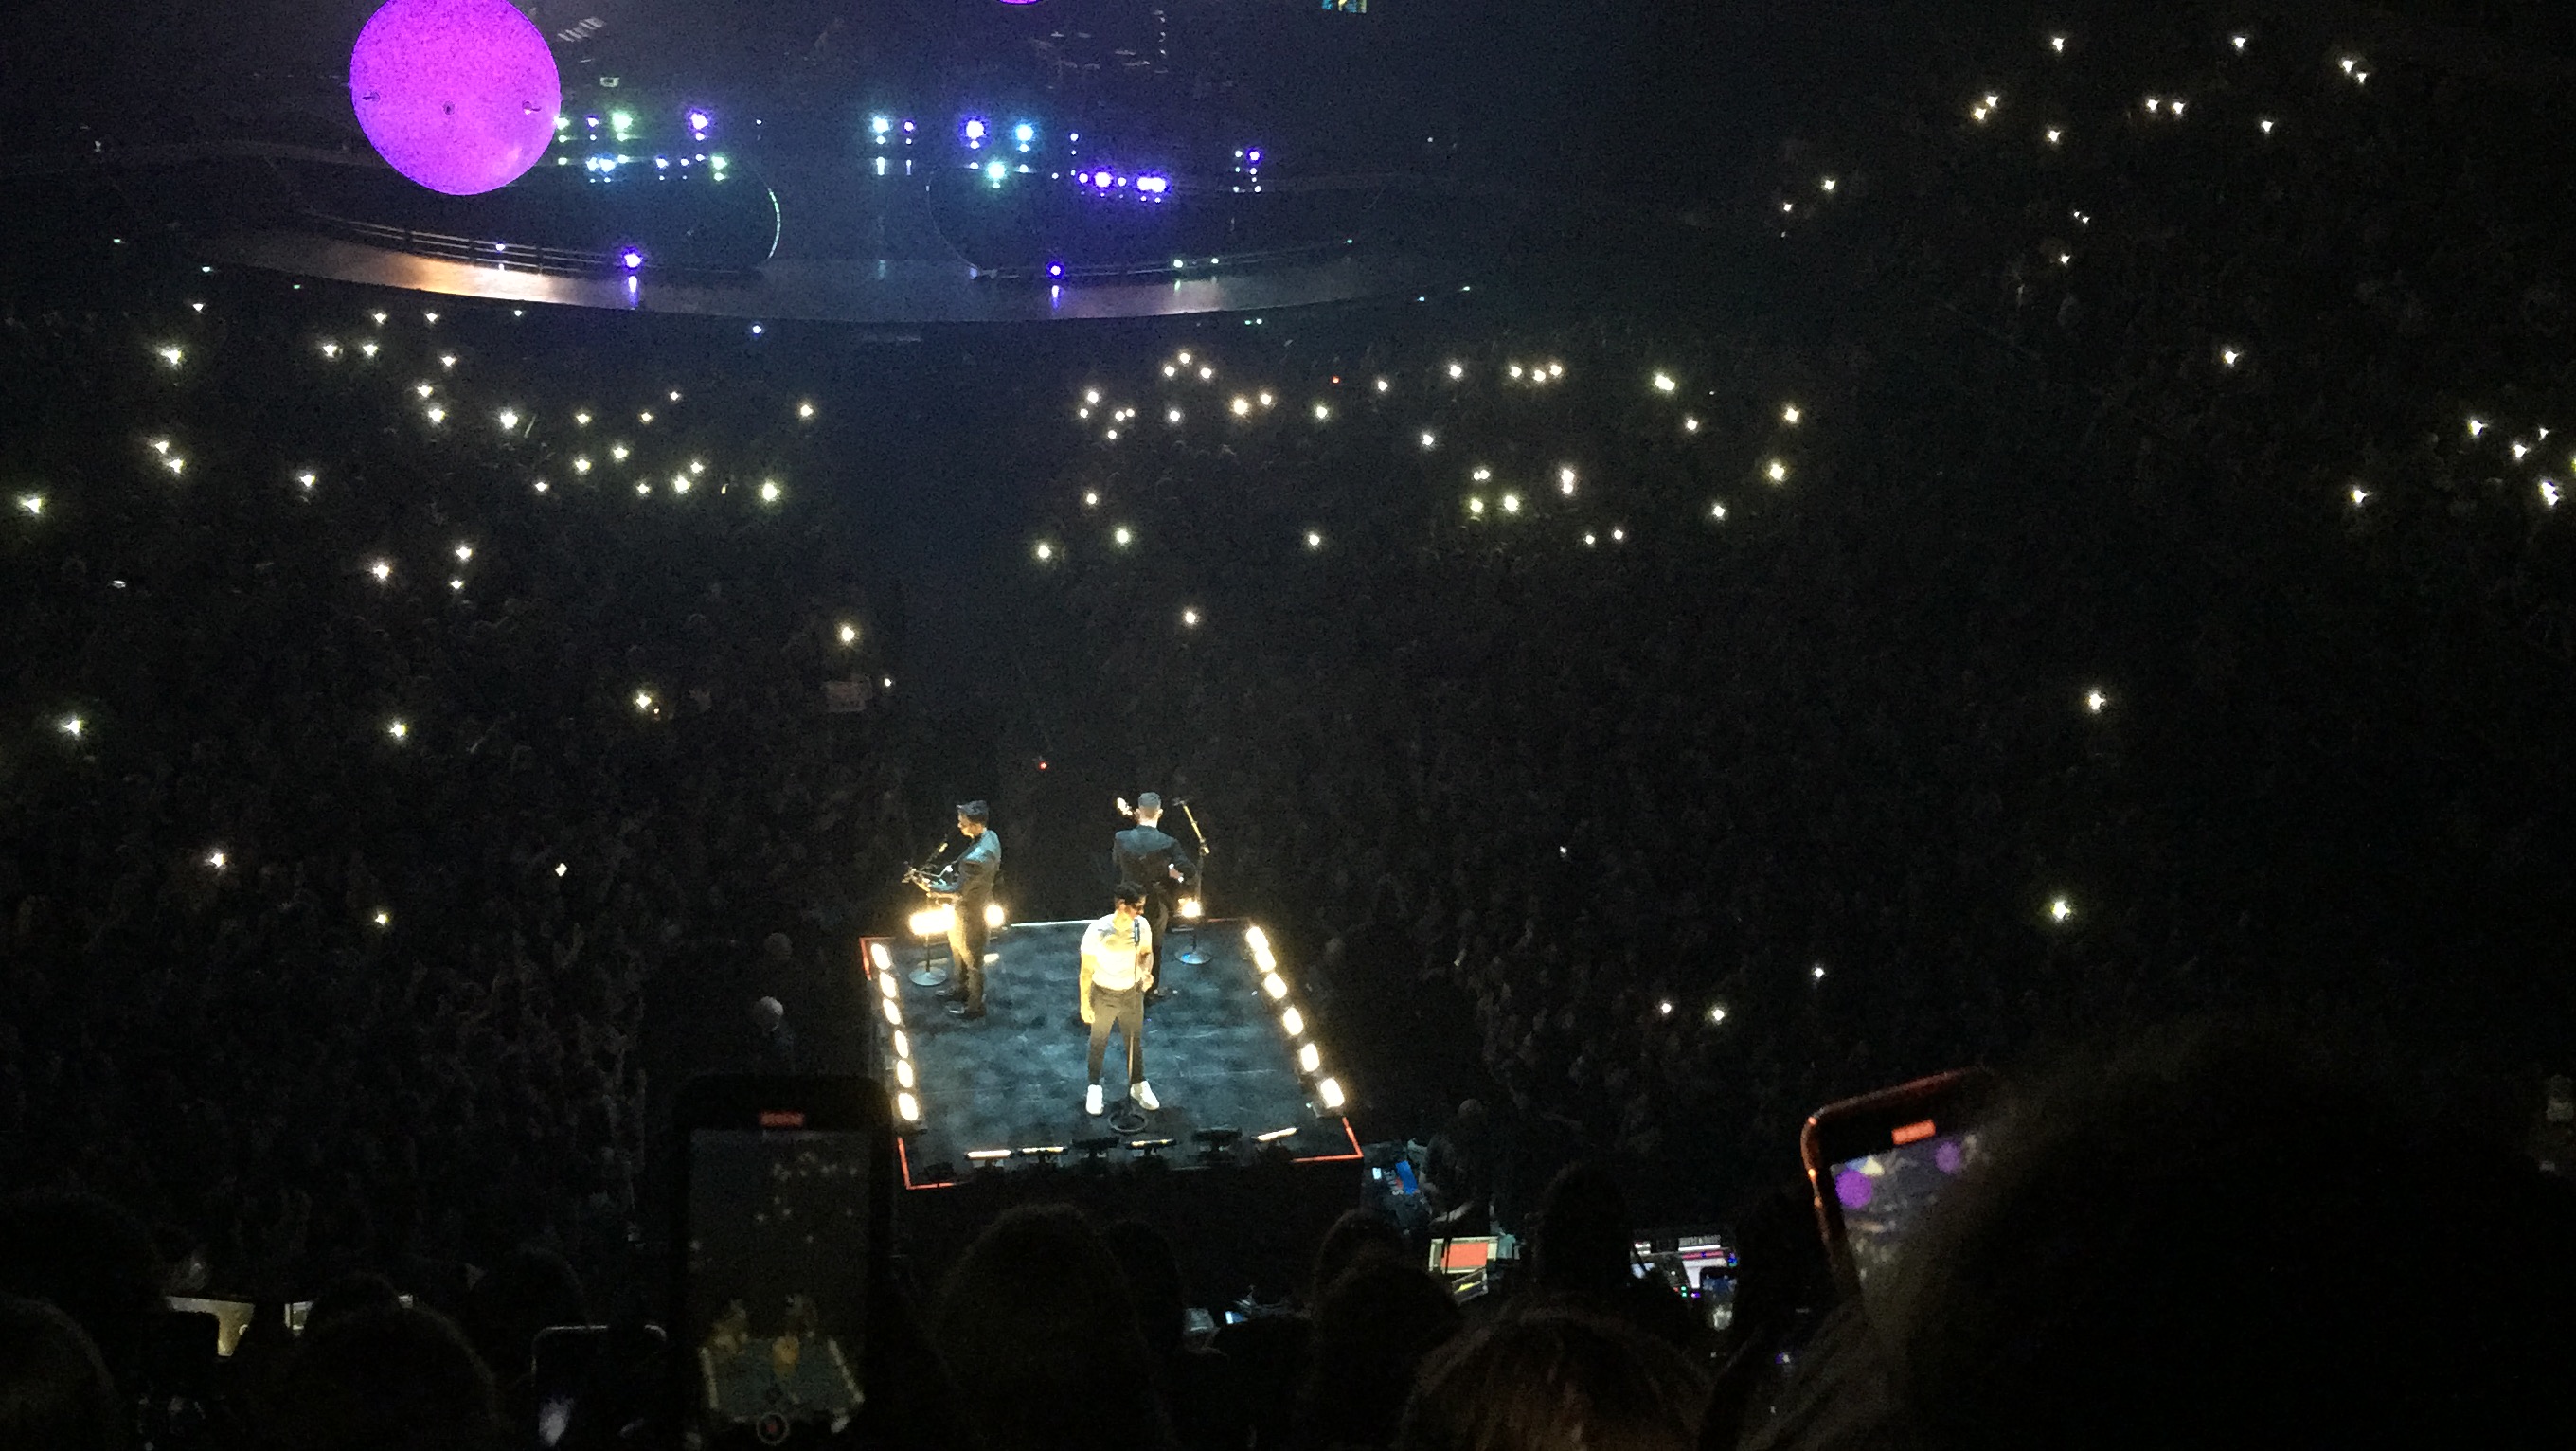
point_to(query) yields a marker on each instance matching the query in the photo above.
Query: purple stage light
(1155, 185)
(699, 120)
(1853, 1188)
(1256, 156)
(1100, 179)
(974, 130)
(458, 95)
(632, 258)
(1055, 269)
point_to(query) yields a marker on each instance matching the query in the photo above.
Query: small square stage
(1219, 1051)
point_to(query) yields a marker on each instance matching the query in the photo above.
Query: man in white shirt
(1117, 970)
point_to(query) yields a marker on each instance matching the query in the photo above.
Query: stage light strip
(907, 1096)
(1292, 1020)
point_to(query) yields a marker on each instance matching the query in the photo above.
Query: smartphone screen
(1879, 1162)
(775, 1286)
(1883, 1195)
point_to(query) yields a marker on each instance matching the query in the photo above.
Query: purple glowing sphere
(1854, 1189)
(458, 95)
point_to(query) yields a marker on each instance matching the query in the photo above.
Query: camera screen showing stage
(777, 1283)
(1884, 1195)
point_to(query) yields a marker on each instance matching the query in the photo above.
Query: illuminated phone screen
(776, 1284)
(1883, 1195)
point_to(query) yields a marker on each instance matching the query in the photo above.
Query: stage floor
(1216, 1052)
(872, 290)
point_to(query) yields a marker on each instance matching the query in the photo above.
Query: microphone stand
(929, 974)
(1197, 955)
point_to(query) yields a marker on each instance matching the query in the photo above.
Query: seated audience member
(2215, 1239)
(1207, 1410)
(1268, 1352)
(385, 1379)
(1783, 1282)
(1354, 1234)
(1552, 1379)
(529, 1289)
(1039, 1333)
(349, 1294)
(54, 1391)
(1459, 1177)
(1583, 1252)
(91, 1260)
(1373, 1329)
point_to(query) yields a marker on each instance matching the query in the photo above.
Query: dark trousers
(1123, 1009)
(966, 938)
(1158, 915)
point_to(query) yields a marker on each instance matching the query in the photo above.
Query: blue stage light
(1024, 133)
(1055, 269)
(632, 258)
(973, 130)
(700, 120)
(1153, 185)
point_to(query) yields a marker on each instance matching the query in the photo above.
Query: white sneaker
(1145, 1098)
(1091, 1101)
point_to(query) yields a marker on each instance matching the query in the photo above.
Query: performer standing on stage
(1153, 861)
(966, 884)
(1117, 969)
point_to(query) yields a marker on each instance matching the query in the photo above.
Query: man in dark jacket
(1154, 861)
(966, 884)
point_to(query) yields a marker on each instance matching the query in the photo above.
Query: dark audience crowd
(2096, 558)
(2185, 1241)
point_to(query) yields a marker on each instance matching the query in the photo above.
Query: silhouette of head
(1552, 1379)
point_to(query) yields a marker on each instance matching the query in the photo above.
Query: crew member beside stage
(1153, 861)
(1117, 969)
(967, 885)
